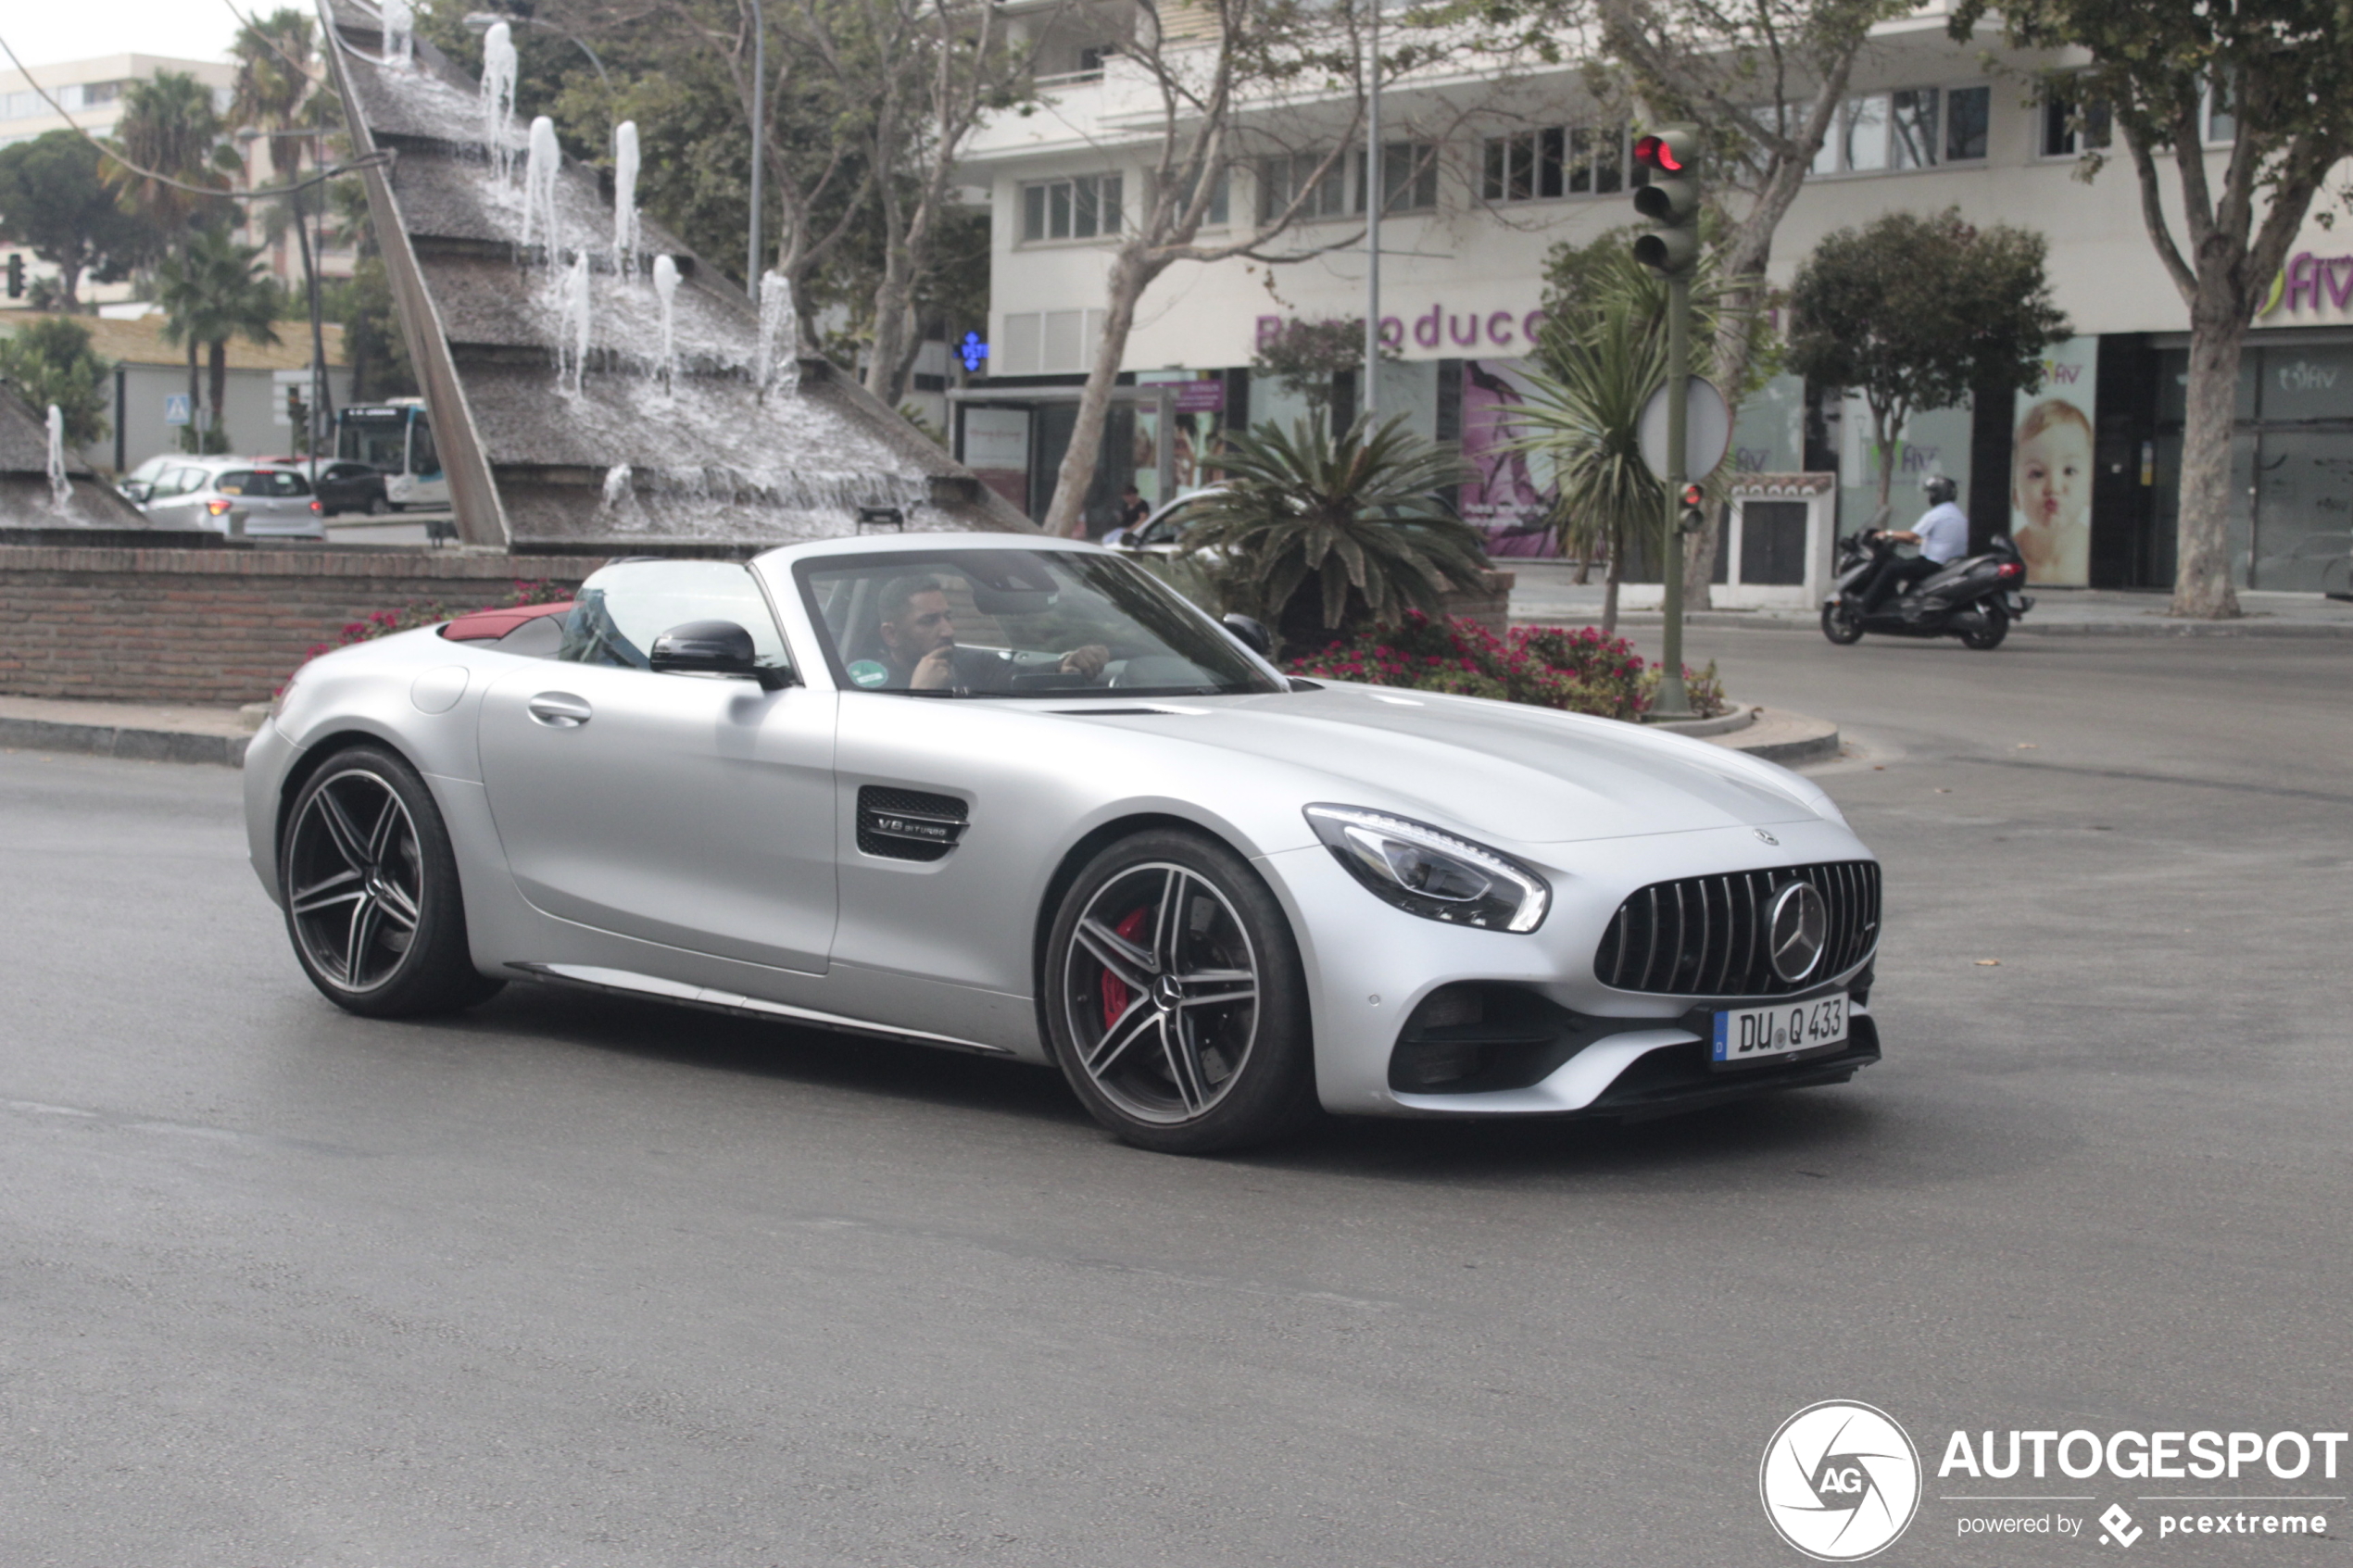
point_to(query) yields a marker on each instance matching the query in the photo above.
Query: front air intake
(1706, 936)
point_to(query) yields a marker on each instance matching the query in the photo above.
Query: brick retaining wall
(217, 625)
(229, 625)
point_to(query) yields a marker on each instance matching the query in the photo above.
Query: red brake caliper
(1116, 993)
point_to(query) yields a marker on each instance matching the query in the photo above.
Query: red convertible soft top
(489, 625)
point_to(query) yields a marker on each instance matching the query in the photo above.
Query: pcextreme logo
(1841, 1481)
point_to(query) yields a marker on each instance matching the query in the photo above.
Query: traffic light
(1668, 162)
(16, 277)
(1694, 513)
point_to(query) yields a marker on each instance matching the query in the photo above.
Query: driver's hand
(1088, 661)
(935, 671)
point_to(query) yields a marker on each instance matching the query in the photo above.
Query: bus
(397, 438)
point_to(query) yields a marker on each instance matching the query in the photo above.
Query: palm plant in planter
(1321, 536)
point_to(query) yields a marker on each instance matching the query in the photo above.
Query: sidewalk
(136, 731)
(1545, 594)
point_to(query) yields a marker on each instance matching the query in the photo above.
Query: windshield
(1016, 623)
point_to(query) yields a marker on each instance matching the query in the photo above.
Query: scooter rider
(1942, 535)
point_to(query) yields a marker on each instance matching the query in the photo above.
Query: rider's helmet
(1941, 489)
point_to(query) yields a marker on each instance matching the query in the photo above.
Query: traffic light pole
(1673, 701)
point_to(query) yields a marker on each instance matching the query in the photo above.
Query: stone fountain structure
(42, 484)
(593, 385)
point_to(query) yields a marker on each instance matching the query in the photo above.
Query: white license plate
(1754, 1034)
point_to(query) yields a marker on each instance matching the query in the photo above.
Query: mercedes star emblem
(1796, 930)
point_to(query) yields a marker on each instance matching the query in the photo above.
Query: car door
(686, 810)
(172, 503)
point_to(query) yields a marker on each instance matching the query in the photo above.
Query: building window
(1910, 128)
(1081, 208)
(1333, 194)
(1408, 176)
(2222, 113)
(1969, 115)
(2070, 126)
(1220, 209)
(1559, 160)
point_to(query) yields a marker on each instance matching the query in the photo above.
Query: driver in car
(919, 645)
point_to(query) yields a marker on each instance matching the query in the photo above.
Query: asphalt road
(576, 1281)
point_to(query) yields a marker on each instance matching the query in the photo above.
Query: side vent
(907, 824)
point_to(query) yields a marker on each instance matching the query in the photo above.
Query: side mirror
(139, 492)
(1251, 635)
(713, 647)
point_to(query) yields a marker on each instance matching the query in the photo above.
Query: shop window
(2070, 125)
(1081, 208)
(1560, 160)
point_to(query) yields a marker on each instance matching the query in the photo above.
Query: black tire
(378, 505)
(1841, 625)
(1197, 1038)
(1997, 626)
(370, 886)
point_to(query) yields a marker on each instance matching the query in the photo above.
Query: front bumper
(1626, 1054)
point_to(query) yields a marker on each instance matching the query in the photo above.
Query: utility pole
(1670, 198)
(759, 140)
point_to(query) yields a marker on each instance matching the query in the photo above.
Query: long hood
(1499, 769)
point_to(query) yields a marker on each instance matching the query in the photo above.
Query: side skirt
(629, 982)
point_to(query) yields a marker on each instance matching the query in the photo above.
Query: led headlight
(1431, 872)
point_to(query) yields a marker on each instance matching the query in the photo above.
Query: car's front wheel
(1175, 1000)
(370, 888)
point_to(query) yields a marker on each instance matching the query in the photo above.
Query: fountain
(399, 32)
(666, 291)
(624, 197)
(581, 400)
(498, 70)
(60, 487)
(776, 364)
(42, 484)
(573, 324)
(539, 186)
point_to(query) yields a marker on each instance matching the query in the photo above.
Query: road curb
(127, 742)
(1778, 735)
(2155, 626)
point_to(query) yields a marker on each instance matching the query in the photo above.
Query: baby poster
(2051, 467)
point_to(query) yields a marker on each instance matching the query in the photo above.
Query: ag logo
(1841, 1481)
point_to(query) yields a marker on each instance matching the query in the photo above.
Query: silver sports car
(1011, 795)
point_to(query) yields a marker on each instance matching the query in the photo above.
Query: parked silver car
(1009, 795)
(238, 496)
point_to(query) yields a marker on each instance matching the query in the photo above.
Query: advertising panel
(1508, 499)
(2051, 467)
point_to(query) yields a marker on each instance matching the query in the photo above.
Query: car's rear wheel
(378, 505)
(1997, 627)
(1841, 623)
(371, 887)
(1175, 1000)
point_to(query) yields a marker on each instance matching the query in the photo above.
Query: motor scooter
(1974, 598)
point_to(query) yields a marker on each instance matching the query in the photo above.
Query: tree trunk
(69, 274)
(196, 401)
(1885, 442)
(1130, 275)
(2202, 575)
(1610, 579)
(217, 374)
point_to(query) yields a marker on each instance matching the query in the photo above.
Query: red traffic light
(1656, 151)
(1693, 495)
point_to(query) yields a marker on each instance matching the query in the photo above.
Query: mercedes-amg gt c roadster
(1009, 794)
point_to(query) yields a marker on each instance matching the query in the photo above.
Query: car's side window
(623, 607)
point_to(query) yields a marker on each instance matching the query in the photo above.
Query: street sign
(175, 408)
(1707, 430)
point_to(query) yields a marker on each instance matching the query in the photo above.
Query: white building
(1505, 170)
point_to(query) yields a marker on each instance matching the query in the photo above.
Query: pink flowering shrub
(1582, 671)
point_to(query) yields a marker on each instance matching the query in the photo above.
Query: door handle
(559, 710)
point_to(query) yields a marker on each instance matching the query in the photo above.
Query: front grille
(908, 824)
(1704, 935)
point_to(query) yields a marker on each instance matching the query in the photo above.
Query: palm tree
(168, 127)
(1320, 537)
(210, 293)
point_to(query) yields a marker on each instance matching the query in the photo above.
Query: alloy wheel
(355, 892)
(1160, 993)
